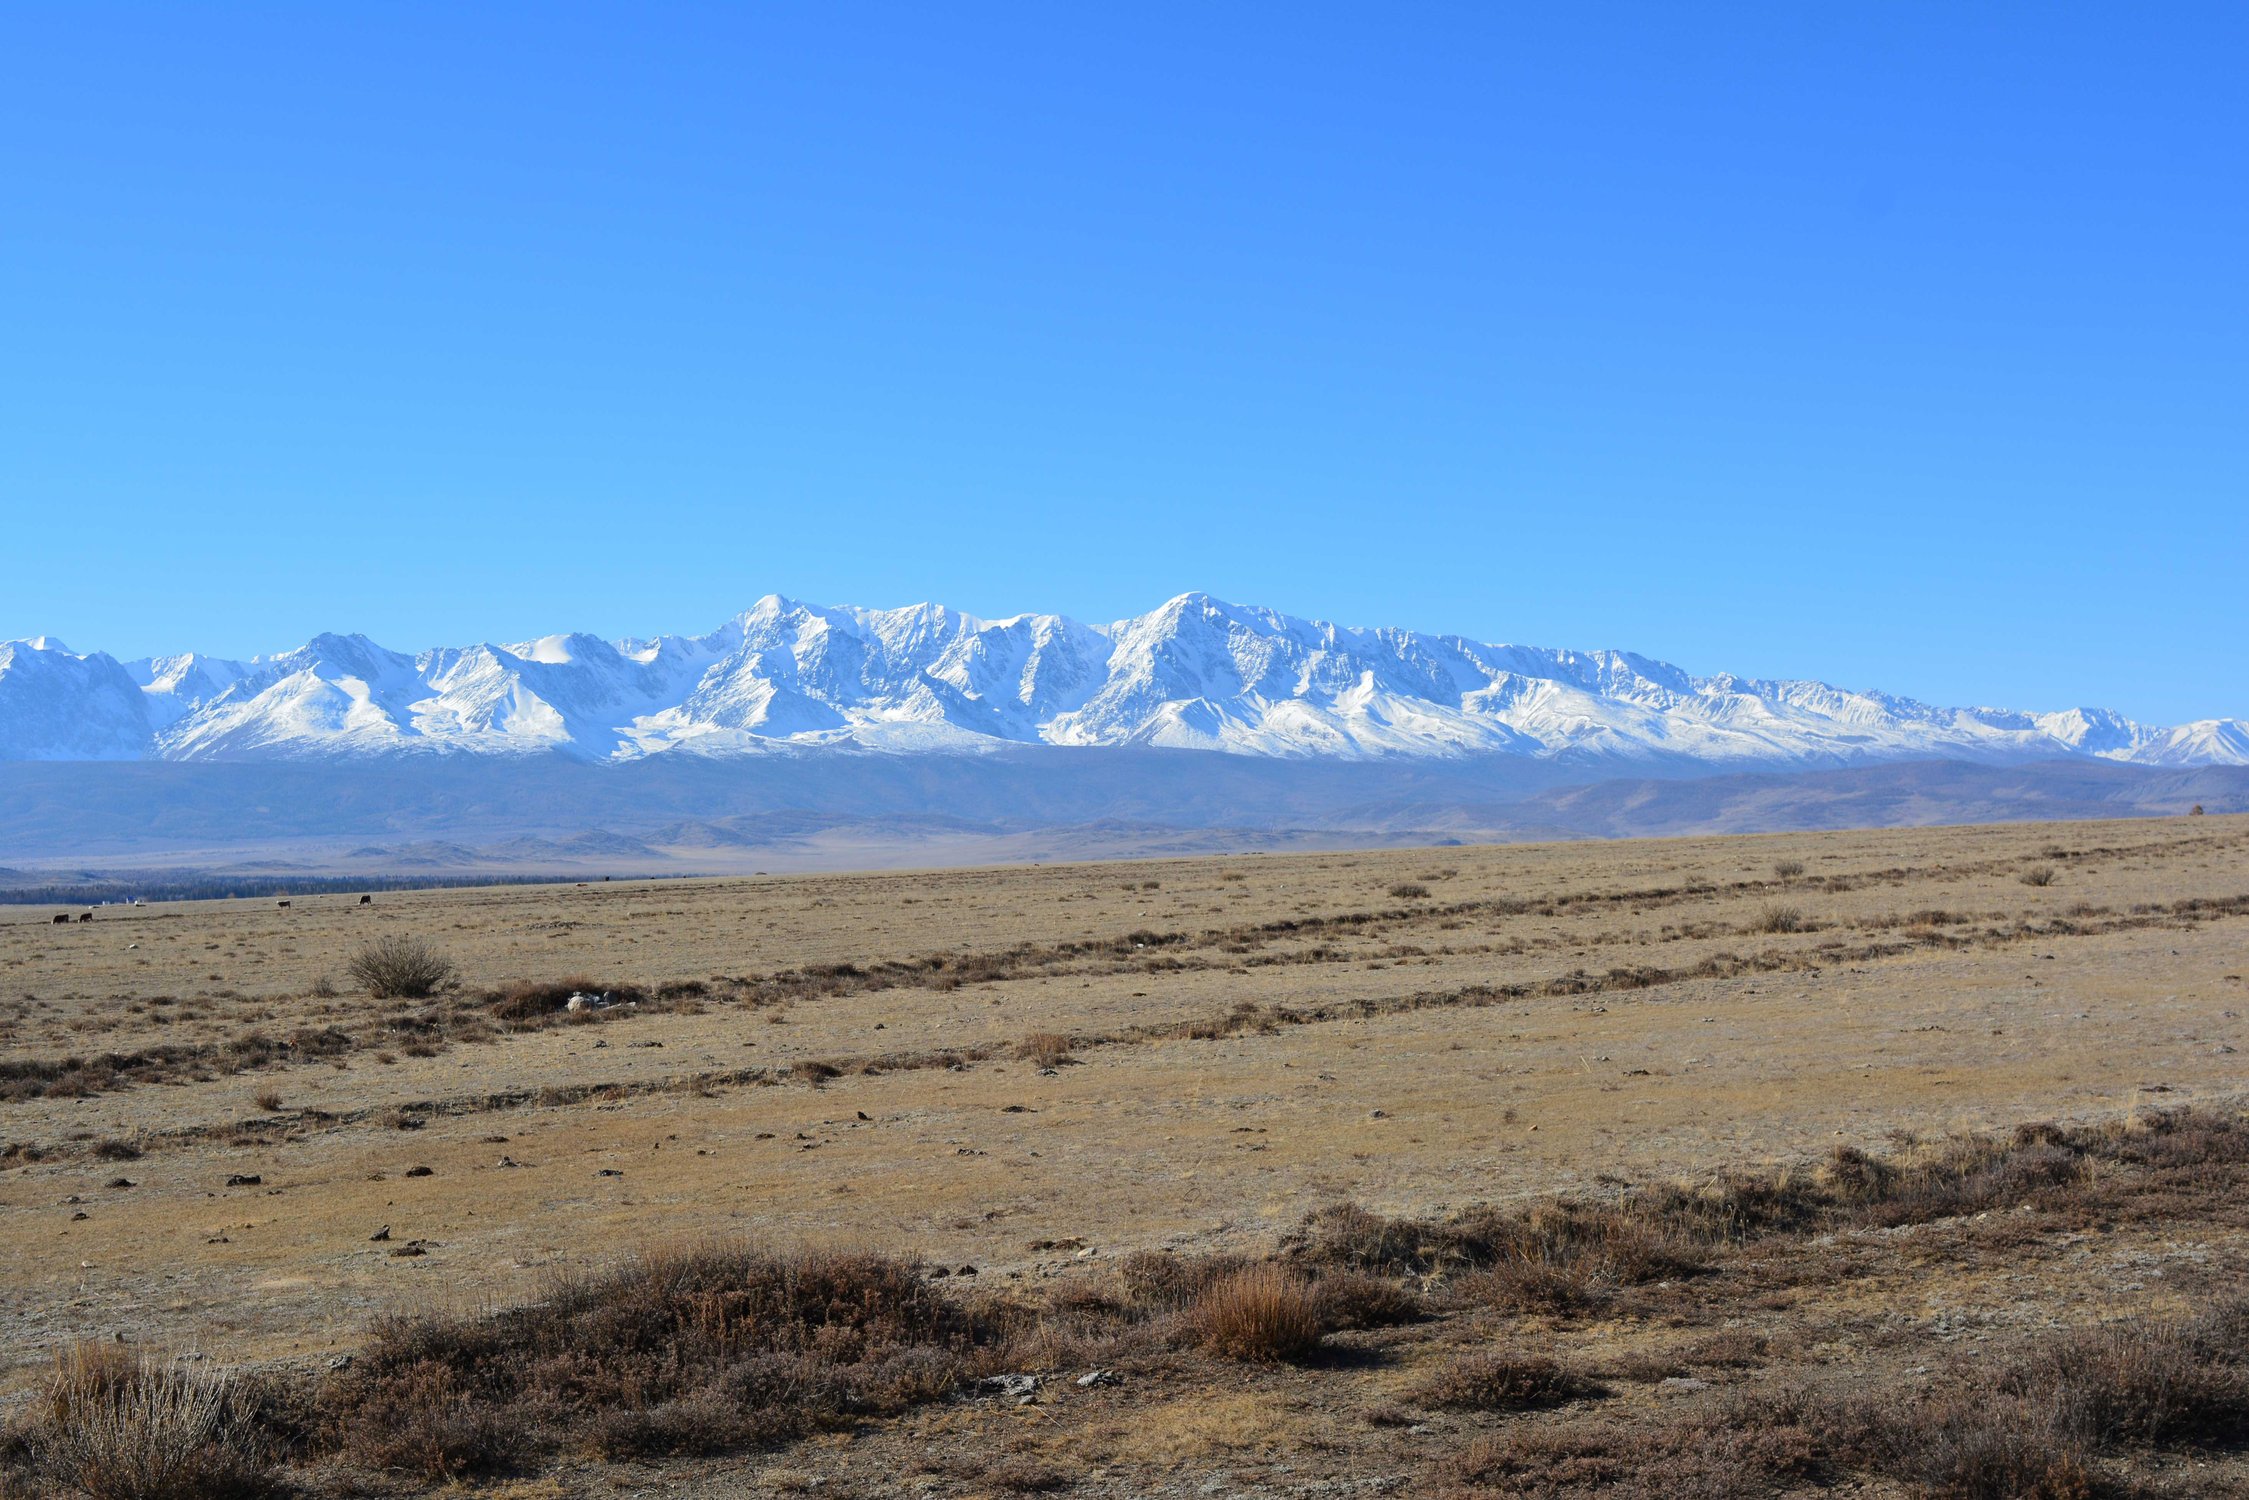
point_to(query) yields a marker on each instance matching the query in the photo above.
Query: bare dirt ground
(1039, 1072)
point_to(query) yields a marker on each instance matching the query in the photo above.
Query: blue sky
(1902, 345)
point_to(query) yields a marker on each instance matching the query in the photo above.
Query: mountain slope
(1196, 673)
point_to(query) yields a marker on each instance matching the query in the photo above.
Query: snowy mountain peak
(1197, 672)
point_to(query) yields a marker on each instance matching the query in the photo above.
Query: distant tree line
(93, 889)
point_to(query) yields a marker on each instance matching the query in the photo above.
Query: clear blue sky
(1905, 345)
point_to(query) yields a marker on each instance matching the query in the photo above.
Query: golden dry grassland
(215, 1141)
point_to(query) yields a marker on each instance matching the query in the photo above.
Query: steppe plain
(1040, 1072)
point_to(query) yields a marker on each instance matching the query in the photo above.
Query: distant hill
(837, 807)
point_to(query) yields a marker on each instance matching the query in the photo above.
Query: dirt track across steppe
(1037, 1071)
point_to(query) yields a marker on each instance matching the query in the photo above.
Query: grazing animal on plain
(62, 919)
(85, 916)
(282, 904)
(367, 901)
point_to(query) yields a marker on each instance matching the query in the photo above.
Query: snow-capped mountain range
(1197, 673)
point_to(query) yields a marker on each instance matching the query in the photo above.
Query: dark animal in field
(62, 919)
(85, 916)
(367, 901)
(282, 904)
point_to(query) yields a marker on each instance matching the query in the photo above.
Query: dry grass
(1049, 1049)
(1263, 1313)
(117, 1424)
(1253, 1048)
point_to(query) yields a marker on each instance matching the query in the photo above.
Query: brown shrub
(534, 999)
(695, 1352)
(1409, 890)
(2143, 1382)
(1344, 1234)
(1352, 1300)
(1731, 1349)
(1264, 1313)
(1023, 1475)
(1491, 1381)
(400, 967)
(1788, 869)
(419, 1419)
(1966, 1445)
(1157, 1281)
(2037, 875)
(113, 1149)
(1540, 1461)
(1781, 919)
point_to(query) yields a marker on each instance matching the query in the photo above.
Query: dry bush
(268, 1100)
(1409, 890)
(1781, 919)
(1730, 1349)
(1344, 1234)
(1024, 1475)
(117, 1424)
(2143, 1382)
(1157, 1281)
(1568, 1254)
(1264, 1313)
(1351, 1300)
(400, 968)
(2032, 1428)
(1491, 1381)
(698, 1352)
(1049, 1049)
(1535, 1461)
(114, 1149)
(1966, 1445)
(530, 1002)
(419, 1420)
(2037, 875)
(1788, 869)
(534, 1000)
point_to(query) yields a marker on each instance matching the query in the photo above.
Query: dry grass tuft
(1049, 1049)
(1781, 919)
(2037, 875)
(1266, 1313)
(117, 1424)
(1788, 869)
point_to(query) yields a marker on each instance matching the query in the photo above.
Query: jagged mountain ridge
(1196, 673)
